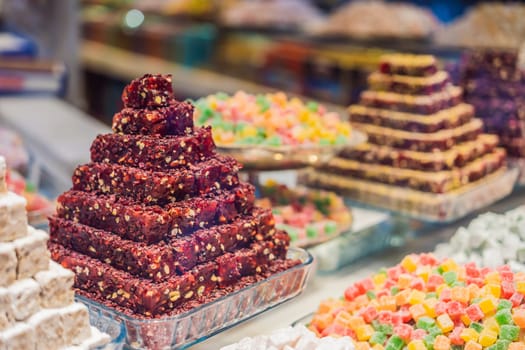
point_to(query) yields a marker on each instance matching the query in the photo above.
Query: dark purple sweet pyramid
(158, 221)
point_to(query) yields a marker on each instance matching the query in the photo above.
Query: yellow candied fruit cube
(487, 337)
(430, 306)
(516, 346)
(520, 287)
(491, 324)
(492, 277)
(416, 297)
(449, 265)
(461, 294)
(378, 347)
(493, 289)
(416, 345)
(379, 279)
(409, 264)
(424, 272)
(469, 334)
(472, 345)
(362, 345)
(364, 332)
(445, 323)
(441, 343)
(487, 305)
(355, 322)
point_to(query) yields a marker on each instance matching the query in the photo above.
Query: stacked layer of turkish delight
(421, 135)
(37, 308)
(495, 86)
(159, 222)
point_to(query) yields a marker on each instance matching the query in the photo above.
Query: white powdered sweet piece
(75, 319)
(32, 253)
(490, 240)
(20, 336)
(8, 264)
(96, 340)
(56, 286)
(24, 296)
(6, 311)
(292, 338)
(49, 329)
(3, 170)
(13, 217)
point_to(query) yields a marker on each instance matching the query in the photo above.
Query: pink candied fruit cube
(441, 308)
(418, 334)
(434, 281)
(475, 280)
(446, 295)
(506, 275)
(396, 319)
(382, 293)
(389, 283)
(394, 272)
(405, 314)
(404, 331)
(417, 283)
(351, 293)
(474, 312)
(484, 271)
(428, 259)
(455, 309)
(516, 299)
(369, 314)
(472, 270)
(455, 336)
(385, 317)
(507, 288)
(365, 285)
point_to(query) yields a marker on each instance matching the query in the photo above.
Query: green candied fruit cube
(341, 140)
(394, 343)
(311, 232)
(425, 323)
(434, 331)
(394, 290)
(475, 301)
(222, 96)
(431, 295)
(312, 106)
(502, 344)
(382, 271)
(263, 103)
(478, 327)
(387, 329)
(377, 338)
(504, 304)
(509, 332)
(450, 277)
(458, 284)
(492, 347)
(504, 317)
(440, 270)
(428, 340)
(371, 294)
(330, 228)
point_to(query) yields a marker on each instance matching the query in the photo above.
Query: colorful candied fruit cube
(468, 334)
(518, 316)
(474, 312)
(516, 346)
(472, 345)
(487, 337)
(394, 343)
(409, 263)
(416, 345)
(503, 316)
(417, 311)
(509, 332)
(364, 332)
(378, 338)
(488, 305)
(441, 343)
(445, 323)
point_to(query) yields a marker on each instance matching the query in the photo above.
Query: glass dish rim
(305, 262)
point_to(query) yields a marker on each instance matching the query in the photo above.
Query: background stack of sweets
(495, 86)
(421, 136)
(159, 223)
(37, 308)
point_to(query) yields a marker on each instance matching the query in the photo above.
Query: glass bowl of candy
(274, 131)
(309, 216)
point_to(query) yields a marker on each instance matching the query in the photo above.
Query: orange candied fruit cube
(362, 345)
(402, 297)
(441, 342)
(404, 281)
(364, 332)
(472, 345)
(492, 277)
(460, 294)
(518, 316)
(518, 345)
(322, 321)
(417, 311)
(445, 323)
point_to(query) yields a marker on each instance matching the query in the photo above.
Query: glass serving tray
(423, 206)
(200, 323)
(259, 157)
(518, 163)
(371, 232)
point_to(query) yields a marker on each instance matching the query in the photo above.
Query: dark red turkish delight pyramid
(158, 218)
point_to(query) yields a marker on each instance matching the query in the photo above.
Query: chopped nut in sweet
(25, 298)
(32, 254)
